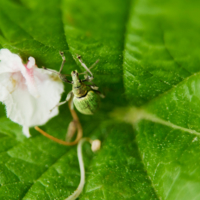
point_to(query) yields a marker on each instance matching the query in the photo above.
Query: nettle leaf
(149, 61)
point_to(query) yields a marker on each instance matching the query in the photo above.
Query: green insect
(85, 97)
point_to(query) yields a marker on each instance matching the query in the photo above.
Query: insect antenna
(51, 70)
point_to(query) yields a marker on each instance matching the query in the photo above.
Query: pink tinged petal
(27, 71)
(12, 63)
(29, 111)
(19, 89)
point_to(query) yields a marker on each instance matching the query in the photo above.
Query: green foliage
(149, 61)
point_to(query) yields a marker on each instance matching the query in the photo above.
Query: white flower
(28, 92)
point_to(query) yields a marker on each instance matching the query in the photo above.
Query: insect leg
(93, 87)
(59, 104)
(69, 96)
(62, 76)
(89, 67)
(100, 94)
(63, 60)
(87, 79)
(94, 64)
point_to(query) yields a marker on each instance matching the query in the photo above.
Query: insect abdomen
(87, 104)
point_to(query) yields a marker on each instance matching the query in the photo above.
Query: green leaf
(161, 47)
(149, 59)
(161, 65)
(174, 141)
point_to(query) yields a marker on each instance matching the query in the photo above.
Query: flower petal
(27, 110)
(27, 71)
(7, 85)
(9, 62)
(28, 92)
